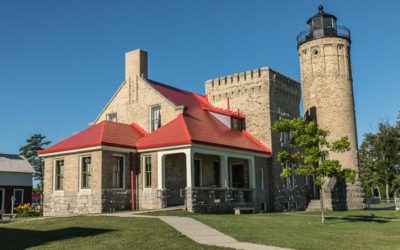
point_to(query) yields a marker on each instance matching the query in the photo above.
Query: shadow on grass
(12, 238)
(362, 218)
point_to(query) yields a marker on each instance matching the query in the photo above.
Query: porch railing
(212, 199)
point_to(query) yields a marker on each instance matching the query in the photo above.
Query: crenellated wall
(264, 96)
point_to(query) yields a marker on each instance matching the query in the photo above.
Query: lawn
(304, 230)
(98, 232)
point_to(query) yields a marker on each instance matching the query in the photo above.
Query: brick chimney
(135, 64)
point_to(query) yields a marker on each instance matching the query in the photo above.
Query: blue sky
(61, 61)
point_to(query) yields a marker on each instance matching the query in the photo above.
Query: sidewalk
(201, 233)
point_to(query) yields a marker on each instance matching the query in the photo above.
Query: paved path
(201, 233)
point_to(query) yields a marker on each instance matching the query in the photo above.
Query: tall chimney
(135, 64)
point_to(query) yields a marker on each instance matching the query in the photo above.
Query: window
(237, 123)
(118, 172)
(147, 171)
(289, 181)
(155, 118)
(217, 174)
(197, 172)
(86, 172)
(18, 196)
(111, 117)
(285, 139)
(59, 175)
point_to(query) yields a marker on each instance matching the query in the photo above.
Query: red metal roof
(104, 133)
(194, 125)
(197, 125)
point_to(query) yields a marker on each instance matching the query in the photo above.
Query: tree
(29, 151)
(380, 158)
(311, 147)
(368, 167)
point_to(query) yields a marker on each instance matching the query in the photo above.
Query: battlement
(238, 77)
(251, 76)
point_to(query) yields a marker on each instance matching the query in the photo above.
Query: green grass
(98, 232)
(304, 230)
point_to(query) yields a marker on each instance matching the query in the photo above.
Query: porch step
(314, 205)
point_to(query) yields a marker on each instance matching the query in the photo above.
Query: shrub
(23, 210)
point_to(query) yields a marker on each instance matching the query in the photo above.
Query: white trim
(89, 189)
(164, 148)
(151, 116)
(81, 150)
(231, 152)
(22, 196)
(3, 200)
(144, 171)
(54, 176)
(119, 149)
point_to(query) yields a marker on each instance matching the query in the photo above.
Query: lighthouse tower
(327, 88)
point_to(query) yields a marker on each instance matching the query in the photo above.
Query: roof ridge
(186, 130)
(139, 129)
(170, 87)
(103, 131)
(256, 141)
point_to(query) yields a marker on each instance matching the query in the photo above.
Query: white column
(224, 171)
(252, 173)
(189, 168)
(161, 171)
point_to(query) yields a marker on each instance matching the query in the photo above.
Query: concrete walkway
(201, 233)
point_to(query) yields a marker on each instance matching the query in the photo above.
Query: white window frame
(151, 117)
(112, 113)
(200, 171)
(54, 175)
(144, 171)
(80, 173)
(22, 196)
(3, 199)
(123, 172)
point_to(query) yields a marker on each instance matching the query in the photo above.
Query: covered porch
(209, 179)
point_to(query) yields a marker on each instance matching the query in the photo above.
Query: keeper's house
(155, 146)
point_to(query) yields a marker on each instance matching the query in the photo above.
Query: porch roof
(105, 133)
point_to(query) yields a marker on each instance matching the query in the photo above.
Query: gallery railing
(320, 32)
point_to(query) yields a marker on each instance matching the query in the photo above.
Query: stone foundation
(65, 205)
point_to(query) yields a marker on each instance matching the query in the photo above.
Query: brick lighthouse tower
(327, 88)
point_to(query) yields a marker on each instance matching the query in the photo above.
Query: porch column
(189, 168)
(252, 173)
(224, 171)
(160, 171)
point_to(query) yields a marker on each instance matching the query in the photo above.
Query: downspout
(133, 181)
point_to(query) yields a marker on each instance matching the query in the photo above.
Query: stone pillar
(189, 179)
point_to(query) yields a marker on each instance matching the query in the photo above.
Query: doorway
(237, 176)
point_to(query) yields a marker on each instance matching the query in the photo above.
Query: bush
(26, 210)
(23, 210)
